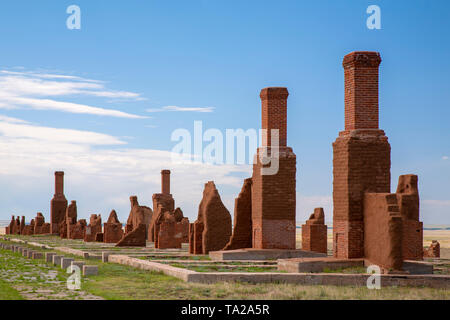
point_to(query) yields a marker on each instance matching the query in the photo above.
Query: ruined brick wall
(77, 231)
(274, 196)
(113, 231)
(58, 204)
(135, 238)
(161, 203)
(361, 154)
(314, 232)
(94, 227)
(242, 229)
(383, 231)
(433, 251)
(408, 201)
(139, 215)
(40, 227)
(196, 237)
(215, 220)
(182, 230)
(166, 235)
(22, 225)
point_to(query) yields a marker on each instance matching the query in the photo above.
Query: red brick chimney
(165, 181)
(274, 113)
(59, 182)
(361, 90)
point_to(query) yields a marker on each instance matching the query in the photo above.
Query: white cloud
(34, 90)
(182, 109)
(445, 158)
(100, 177)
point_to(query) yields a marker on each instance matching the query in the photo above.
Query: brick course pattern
(273, 196)
(213, 224)
(242, 230)
(314, 232)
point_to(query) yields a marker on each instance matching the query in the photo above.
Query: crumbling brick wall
(383, 226)
(314, 232)
(135, 238)
(242, 230)
(433, 251)
(408, 201)
(94, 227)
(113, 231)
(213, 224)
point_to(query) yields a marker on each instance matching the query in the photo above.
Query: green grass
(8, 293)
(119, 282)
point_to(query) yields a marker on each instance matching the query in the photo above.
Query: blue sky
(131, 56)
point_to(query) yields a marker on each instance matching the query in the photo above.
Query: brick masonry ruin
(273, 195)
(212, 229)
(58, 204)
(168, 228)
(314, 232)
(112, 229)
(137, 225)
(242, 229)
(368, 221)
(94, 227)
(433, 251)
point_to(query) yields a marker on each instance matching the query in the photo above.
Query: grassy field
(22, 278)
(118, 282)
(8, 293)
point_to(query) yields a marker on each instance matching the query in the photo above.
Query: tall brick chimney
(165, 181)
(59, 183)
(58, 204)
(274, 113)
(361, 90)
(273, 195)
(361, 154)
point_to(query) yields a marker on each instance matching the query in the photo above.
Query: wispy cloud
(182, 109)
(12, 128)
(445, 158)
(38, 90)
(30, 153)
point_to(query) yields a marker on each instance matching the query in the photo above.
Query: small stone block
(105, 256)
(49, 256)
(90, 270)
(79, 264)
(66, 262)
(57, 260)
(30, 253)
(37, 255)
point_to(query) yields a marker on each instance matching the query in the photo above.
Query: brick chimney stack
(361, 90)
(58, 204)
(59, 183)
(361, 154)
(274, 113)
(165, 181)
